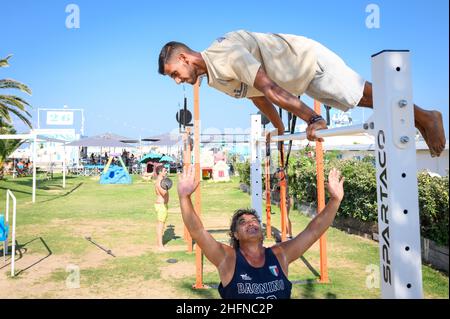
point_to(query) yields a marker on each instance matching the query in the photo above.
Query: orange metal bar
(321, 203)
(186, 165)
(197, 205)
(268, 202)
(283, 185)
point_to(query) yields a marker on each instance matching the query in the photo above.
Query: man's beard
(193, 77)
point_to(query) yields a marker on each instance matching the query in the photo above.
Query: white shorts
(335, 84)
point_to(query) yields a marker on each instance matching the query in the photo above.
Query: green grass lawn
(51, 235)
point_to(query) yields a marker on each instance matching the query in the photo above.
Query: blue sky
(108, 66)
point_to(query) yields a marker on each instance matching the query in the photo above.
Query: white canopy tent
(35, 138)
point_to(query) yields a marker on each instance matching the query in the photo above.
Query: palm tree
(11, 104)
(7, 147)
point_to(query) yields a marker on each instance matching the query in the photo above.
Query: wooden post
(197, 205)
(283, 186)
(321, 203)
(186, 165)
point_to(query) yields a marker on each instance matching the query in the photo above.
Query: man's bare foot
(162, 248)
(431, 127)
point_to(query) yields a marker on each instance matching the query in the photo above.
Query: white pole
(34, 168)
(64, 166)
(39, 122)
(398, 207)
(255, 164)
(13, 237)
(82, 122)
(5, 247)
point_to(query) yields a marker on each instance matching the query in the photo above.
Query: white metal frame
(9, 195)
(392, 125)
(398, 199)
(34, 139)
(255, 165)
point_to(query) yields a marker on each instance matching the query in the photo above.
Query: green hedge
(433, 203)
(244, 172)
(360, 200)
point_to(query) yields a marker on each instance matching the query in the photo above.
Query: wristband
(315, 118)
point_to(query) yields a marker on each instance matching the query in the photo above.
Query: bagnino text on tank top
(266, 282)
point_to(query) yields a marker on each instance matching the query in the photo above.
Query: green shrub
(360, 200)
(244, 172)
(433, 203)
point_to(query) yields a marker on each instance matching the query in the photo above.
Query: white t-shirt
(233, 60)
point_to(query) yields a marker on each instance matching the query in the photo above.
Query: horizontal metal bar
(225, 134)
(16, 137)
(224, 142)
(338, 131)
(40, 138)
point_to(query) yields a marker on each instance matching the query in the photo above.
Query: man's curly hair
(234, 223)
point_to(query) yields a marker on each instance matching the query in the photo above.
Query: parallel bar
(338, 131)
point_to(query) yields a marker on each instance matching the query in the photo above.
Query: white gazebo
(35, 138)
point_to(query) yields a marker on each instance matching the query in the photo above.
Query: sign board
(59, 118)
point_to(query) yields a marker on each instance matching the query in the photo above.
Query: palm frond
(4, 114)
(7, 147)
(10, 104)
(4, 62)
(13, 84)
(14, 101)
(20, 116)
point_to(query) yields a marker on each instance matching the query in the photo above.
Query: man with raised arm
(247, 269)
(276, 68)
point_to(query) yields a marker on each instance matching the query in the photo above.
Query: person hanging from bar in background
(247, 269)
(270, 68)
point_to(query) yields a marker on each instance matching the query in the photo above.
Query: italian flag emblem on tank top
(274, 270)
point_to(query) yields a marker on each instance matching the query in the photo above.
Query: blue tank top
(266, 282)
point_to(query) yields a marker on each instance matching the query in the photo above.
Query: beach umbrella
(120, 138)
(166, 139)
(150, 157)
(99, 141)
(166, 158)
